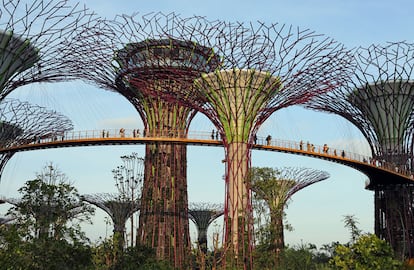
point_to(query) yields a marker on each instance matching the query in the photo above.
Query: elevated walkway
(378, 173)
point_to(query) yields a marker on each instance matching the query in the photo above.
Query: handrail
(207, 137)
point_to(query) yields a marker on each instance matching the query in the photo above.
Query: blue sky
(316, 213)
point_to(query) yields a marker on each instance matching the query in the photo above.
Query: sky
(316, 213)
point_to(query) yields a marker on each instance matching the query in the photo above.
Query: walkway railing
(209, 137)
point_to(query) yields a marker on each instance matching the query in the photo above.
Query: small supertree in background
(22, 123)
(276, 186)
(129, 179)
(203, 214)
(121, 206)
(34, 41)
(119, 209)
(379, 101)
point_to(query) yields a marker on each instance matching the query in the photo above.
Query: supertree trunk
(238, 230)
(394, 220)
(163, 224)
(277, 234)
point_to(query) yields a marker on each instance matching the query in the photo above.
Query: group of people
(325, 149)
(215, 135)
(135, 133)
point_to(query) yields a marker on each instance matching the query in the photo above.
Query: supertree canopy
(276, 187)
(22, 123)
(34, 41)
(379, 101)
(203, 214)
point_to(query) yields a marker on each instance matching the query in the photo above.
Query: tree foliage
(367, 253)
(364, 251)
(46, 232)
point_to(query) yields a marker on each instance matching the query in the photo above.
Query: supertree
(250, 71)
(22, 123)
(34, 41)
(263, 68)
(119, 209)
(160, 63)
(276, 186)
(129, 179)
(203, 214)
(379, 101)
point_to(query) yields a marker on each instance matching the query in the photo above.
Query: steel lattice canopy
(166, 54)
(388, 105)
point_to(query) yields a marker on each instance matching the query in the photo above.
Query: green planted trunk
(238, 97)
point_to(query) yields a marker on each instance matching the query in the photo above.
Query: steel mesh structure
(35, 41)
(22, 123)
(379, 101)
(203, 214)
(276, 187)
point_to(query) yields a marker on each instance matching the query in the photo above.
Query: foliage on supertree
(276, 187)
(378, 100)
(203, 214)
(22, 122)
(36, 41)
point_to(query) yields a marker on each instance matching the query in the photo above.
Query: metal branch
(22, 123)
(36, 41)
